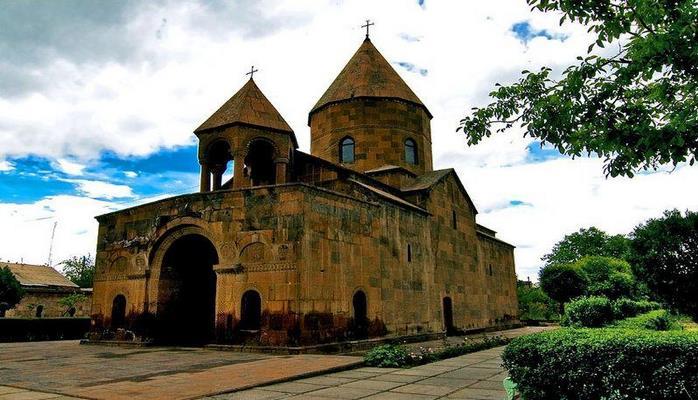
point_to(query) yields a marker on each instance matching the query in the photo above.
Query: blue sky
(98, 103)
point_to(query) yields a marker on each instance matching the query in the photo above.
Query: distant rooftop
(38, 275)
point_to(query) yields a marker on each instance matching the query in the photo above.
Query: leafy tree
(534, 304)
(70, 301)
(562, 282)
(11, 291)
(587, 242)
(636, 108)
(80, 270)
(607, 276)
(664, 254)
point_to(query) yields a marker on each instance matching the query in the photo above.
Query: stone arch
(411, 151)
(173, 231)
(253, 253)
(260, 161)
(185, 285)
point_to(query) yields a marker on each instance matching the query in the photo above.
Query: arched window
(39, 311)
(409, 253)
(360, 307)
(118, 311)
(454, 219)
(346, 150)
(251, 311)
(411, 152)
(448, 315)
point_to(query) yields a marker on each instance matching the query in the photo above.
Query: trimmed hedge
(590, 312)
(592, 364)
(35, 329)
(597, 311)
(657, 320)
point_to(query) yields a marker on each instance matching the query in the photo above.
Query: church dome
(368, 74)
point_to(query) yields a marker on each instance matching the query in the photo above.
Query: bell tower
(249, 131)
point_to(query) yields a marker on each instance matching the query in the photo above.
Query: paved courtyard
(99, 372)
(67, 370)
(472, 376)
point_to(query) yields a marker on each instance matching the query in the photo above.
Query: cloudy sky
(98, 101)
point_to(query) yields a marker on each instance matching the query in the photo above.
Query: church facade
(359, 238)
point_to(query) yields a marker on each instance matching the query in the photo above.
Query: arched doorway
(360, 314)
(448, 315)
(250, 311)
(259, 163)
(118, 312)
(187, 292)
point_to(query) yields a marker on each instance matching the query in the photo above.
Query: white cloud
(31, 225)
(102, 190)
(182, 70)
(130, 174)
(69, 167)
(6, 166)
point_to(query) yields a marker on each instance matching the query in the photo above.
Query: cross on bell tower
(252, 71)
(367, 25)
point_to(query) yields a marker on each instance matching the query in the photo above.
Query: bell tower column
(239, 180)
(281, 167)
(217, 172)
(205, 178)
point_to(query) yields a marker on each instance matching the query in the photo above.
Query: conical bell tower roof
(368, 74)
(249, 107)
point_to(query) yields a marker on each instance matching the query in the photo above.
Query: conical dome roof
(368, 74)
(248, 106)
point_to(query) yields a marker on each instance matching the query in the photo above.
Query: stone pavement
(471, 376)
(99, 372)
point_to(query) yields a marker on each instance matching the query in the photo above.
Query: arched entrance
(259, 163)
(250, 311)
(118, 312)
(360, 314)
(448, 315)
(187, 292)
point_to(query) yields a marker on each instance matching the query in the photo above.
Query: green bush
(387, 356)
(657, 320)
(588, 312)
(591, 364)
(626, 308)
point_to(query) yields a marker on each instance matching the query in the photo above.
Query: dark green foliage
(637, 108)
(387, 356)
(80, 270)
(592, 364)
(664, 255)
(397, 356)
(588, 312)
(609, 277)
(11, 291)
(587, 242)
(35, 329)
(534, 304)
(562, 282)
(657, 320)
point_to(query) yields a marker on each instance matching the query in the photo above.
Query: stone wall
(49, 300)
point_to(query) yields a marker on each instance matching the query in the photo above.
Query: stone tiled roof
(367, 74)
(388, 196)
(38, 275)
(427, 180)
(248, 106)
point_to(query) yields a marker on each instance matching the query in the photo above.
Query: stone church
(359, 238)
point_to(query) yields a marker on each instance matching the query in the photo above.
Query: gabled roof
(368, 74)
(248, 106)
(38, 275)
(427, 181)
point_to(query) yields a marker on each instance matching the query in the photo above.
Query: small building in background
(45, 288)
